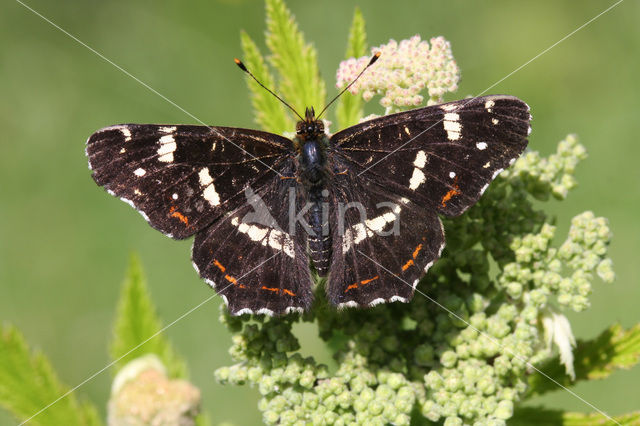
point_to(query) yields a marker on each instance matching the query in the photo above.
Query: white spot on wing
(417, 179)
(167, 147)
(211, 195)
(206, 181)
(496, 173)
(204, 176)
(421, 159)
(276, 239)
(358, 232)
(452, 174)
(449, 107)
(481, 146)
(429, 265)
(451, 116)
(168, 143)
(377, 301)
(488, 105)
(126, 133)
(495, 121)
(398, 299)
(349, 304)
(452, 125)
(139, 172)
(168, 129)
(166, 158)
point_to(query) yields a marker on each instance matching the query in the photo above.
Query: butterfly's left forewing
(441, 157)
(181, 178)
(425, 162)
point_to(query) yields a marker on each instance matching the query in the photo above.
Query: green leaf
(615, 348)
(542, 416)
(270, 114)
(349, 110)
(28, 384)
(137, 329)
(295, 60)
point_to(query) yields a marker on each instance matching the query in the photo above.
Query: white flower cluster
(403, 71)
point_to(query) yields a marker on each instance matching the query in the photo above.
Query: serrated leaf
(296, 61)
(269, 112)
(136, 330)
(349, 110)
(30, 387)
(613, 349)
(529, 416)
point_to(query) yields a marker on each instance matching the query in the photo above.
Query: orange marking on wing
(290, 293)
(231, 279)
(363, 282)
(219, 265)
(417, 250)
(406, 265)
(451, 192)
(352, 286)
(275, 290)
(174, 213)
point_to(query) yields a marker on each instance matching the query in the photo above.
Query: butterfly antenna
(374, 58)
(243, 68)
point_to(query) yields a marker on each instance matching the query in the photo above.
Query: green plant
(484, 333)
(468, 346)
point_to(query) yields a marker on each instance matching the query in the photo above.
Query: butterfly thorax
(311, 144)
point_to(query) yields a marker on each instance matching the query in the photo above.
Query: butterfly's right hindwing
(252, 258)
(181, 178)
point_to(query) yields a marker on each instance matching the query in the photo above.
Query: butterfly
(361, 206)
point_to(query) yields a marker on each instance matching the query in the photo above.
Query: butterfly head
(310, 128)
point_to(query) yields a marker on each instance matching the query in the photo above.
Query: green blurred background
(64, 243)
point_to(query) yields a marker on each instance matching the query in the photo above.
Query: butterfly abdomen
(320, 238)
(312, 168)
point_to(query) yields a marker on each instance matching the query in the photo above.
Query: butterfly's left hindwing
(378, 257)
(181, 178)
(441, 157)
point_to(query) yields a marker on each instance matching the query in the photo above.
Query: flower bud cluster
(541, 271)
(553, 175)
(403, 71)
(461, 351)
